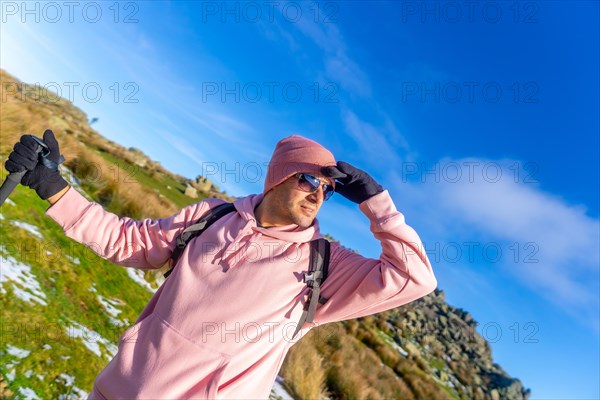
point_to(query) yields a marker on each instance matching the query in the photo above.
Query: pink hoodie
(221, 324)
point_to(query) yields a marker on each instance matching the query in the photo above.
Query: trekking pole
(14, 178)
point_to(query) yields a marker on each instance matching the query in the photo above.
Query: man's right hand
(353, 183)
(45, 181)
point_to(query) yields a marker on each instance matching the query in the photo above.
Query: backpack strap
(318, 269)
(196, 229)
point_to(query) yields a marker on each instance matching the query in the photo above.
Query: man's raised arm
(358, 286)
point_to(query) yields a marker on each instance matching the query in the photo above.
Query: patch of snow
(1, 217)
(110, 308)
(399, 348)
(17, 352)
(75, 392)
(92, 340)
(138, 276)
(73, 180)
(27, 394)
(278, 391)
(40, 377)
(69, 175)
(453, 381)
(25, 285)
(28, 373)
(9, 201)
(46, 346)
(29, 228)
(10, 375)
(110, 305)
(75, 260)
(67, 379)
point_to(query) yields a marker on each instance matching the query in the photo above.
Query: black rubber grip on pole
(10, 183)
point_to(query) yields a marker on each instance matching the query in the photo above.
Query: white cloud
(373, 142)
(561, 237)
(338, 64)
(182, 145)
(352, 78)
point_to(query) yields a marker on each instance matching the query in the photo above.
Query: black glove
(44, 178)
(353, 183)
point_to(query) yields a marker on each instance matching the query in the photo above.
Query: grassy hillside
(64, 308)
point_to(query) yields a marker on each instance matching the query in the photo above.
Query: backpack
(317, 269)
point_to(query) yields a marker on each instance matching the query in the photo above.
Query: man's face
(291, 205)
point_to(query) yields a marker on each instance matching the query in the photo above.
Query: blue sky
(482, 122)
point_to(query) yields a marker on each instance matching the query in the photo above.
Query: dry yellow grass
(350, 369)
(26, 112)
(303, 370)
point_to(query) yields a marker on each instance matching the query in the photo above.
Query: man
(221, 324)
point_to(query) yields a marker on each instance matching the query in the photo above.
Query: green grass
(436, 363)
(167, 186)
(34, 327)
(71, 291)
(385, 337)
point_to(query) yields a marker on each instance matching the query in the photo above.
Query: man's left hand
(353, 183)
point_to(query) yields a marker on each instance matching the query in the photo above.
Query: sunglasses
(309, 183)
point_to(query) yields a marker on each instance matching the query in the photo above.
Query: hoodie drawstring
(236, 252)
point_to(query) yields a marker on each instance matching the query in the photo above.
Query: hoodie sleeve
(358, 286)
(145, 244)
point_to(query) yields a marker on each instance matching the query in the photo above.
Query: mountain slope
(64, 308)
